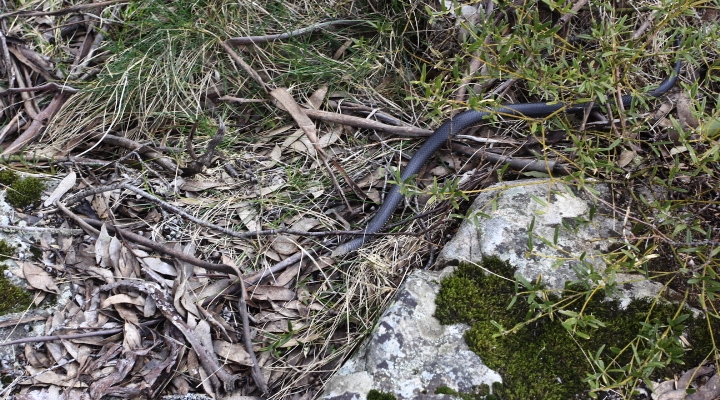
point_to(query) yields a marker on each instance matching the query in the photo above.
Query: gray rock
(409, 354)
(562, 232)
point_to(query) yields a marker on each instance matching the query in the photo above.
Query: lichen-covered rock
(409, 354)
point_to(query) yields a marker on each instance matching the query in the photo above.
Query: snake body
(464, 120)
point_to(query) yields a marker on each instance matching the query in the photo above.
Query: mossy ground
(542, 360)
(12, 298)
(377, 395)
(24, 192)
(8, 177)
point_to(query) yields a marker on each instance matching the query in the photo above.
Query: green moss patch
(541, 358)
(25, 192)
(12, 298)
(8, 177)
(377, 395)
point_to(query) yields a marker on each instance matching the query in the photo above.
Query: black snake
(464, 120)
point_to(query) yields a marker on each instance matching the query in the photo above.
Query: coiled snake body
(464, 120)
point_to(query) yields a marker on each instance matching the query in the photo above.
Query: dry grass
(161, 69)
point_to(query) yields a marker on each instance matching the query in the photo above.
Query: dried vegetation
(211, 175)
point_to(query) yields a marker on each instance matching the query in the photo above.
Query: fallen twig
(250, 71)
(71, 336)
(161, 248)
(518, 164)
(52, 86)
(247, 338)
(62, 11)
(198, 164)
(367, 123)
(147, 151)
(39, 229)
(246, 40)
(34, 130)
(215, 371)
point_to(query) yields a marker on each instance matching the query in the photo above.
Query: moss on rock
(25, 192)
(377, 395)
(12, 298)
(8, 177)
(541, 359)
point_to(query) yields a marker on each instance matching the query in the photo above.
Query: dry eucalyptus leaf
(50, 377)
(684, 107)
(99, 203)
(158, 265)
(284, 244)
(131, 338)
(275, 155)
(274, 293)
(626, 156)
(38, 278)
(303, 121)
(248, 216)
(122, 298)
(199, 186)
(234, 352)
(66, 184)
(102, 244)
(315, 100)
(264, 191)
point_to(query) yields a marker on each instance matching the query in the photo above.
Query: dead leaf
(38, 278)
(315, 100)
(122, 298)
(303, 121)
(199, 186)
(626, 156)
(284, 244)
(66, 184)
(131, 337)
(50, 377)
(158, 265)
(234, 352)
(274, 293)
(102, 244)
(100, 203)
(684, 107)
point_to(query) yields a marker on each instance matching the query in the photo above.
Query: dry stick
(215, 371)
(52, 86)
(6, 57)
(67, 10)
(645, 25)
(249, 40)
(37, 229)
(567, 17)
(80, 221)
(255, 371)
(367, 123)
(182, 213)
(148, 152)
(142, 240)
(33, 131)
(70, 336)
(515, 163)
(77, 197)
(367, 111)
(161, 248)
(250, 71)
